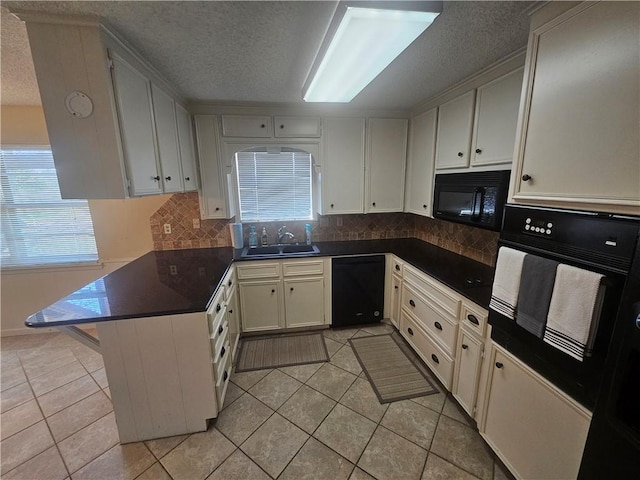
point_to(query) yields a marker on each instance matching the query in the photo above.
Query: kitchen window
(274, 185)
(38, 226)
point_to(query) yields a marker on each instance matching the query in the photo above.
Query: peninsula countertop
(173, 282)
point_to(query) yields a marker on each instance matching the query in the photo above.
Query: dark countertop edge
(331, 249)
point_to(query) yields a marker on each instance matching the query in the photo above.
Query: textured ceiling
(262, 51)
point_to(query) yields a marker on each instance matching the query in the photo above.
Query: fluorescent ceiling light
(365, 42)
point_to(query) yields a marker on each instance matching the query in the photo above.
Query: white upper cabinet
(265, 126)
(167, 135)
(135, 113)
(496, 115)
(187, 153)
(342, 168)
(301, 127)
(419, 178)
(579, 130)
(385, 164)
(215, 200)
(110, 136)
(455, 122)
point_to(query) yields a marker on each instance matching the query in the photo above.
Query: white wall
(121, 227)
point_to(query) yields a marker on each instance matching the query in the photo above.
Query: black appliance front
(613, 444)
(475, 198)
(598, 242)
(357, 290)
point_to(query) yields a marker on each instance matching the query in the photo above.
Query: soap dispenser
(253, 237)
(264, 238)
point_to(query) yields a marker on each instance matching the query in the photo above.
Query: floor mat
(274, 351)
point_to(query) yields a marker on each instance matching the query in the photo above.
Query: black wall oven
(475, 198)
(601, 243)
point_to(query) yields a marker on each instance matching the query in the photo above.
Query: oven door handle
(476, 211)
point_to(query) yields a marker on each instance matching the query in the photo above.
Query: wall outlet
(167, 228)
(173, 269)
(196, 223)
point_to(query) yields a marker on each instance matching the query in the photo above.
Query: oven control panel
(537, 226)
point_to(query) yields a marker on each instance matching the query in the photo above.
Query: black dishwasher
(357, 292)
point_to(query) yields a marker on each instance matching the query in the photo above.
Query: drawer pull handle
(412, 303)
(434, 358)
(187, 179)
(499, 365)
(168, 179)
(464, 347)
(220, 329)
(218, 307)
(156, 178)
(437, 325)
(222, 352)
(229, 283)
(230, 311)
(473, 319)
(526, 177)
(460, 154)
(281, 126)
(225, 375)
(398, 267)
(410, 331)
(478, 151)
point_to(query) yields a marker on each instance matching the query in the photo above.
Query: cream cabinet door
(419, 179)
(261, 305)
(167, 135)
(394, 312)
(304, 302)
(496, 115)
(187, 153)
(385, 164)
(467, 370)
(342, 167)
(455, 120)
(251, 126)
(233, 317)
(300, 127)
(533, 427)
(133, 99)
(579, 144)
(213, 203)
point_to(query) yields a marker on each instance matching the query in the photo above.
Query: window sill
(51, 267)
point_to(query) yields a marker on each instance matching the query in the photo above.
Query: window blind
(38, 226)
(274, 186)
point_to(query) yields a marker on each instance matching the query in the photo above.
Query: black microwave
(474, 198)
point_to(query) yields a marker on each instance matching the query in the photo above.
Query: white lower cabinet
(467, 371)
(535, 429)
(282, 294)
(394, 311)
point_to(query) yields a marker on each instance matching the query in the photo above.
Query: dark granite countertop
(183, 281)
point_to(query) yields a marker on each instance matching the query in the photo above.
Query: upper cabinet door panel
(419, 176)
(187, 154)
(301, 127)
(386, 160)
(579, 143)
(455, 120)
(250, 126)
(494, 130)
(167, 135)
(133, 98)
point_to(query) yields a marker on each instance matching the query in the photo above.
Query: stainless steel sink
(279, 250)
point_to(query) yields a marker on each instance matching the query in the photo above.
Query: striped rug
(394, 371)
(274, 351)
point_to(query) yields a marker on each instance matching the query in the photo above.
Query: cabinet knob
(395, 286)
(263, 126)
(168, 179)
(229, 283)
(222, 352)
(218, 307)
(273, 290)
(412, 303)
(424, 206)
(225, 375)
(437, 325)
(332, 205)
(281, 126)
(291, 289)
(230, 311)
(398, 267)
(156, 178)
(473, 319)
(374, 204)
(478, 150)
(434, 358)
(460, 154)
(499, 365)
(188, 179)
(464, 347)
(217, 209)
(220, 329)
(526, 177)
(410, 331)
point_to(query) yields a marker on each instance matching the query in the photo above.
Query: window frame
(43, 266)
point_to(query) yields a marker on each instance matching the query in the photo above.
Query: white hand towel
(506, 283)
(574, 311)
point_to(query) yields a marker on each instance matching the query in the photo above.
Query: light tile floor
(320, 421)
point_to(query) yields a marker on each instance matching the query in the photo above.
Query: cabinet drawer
(222, 381)
(438, 361)
(474, 318)
(223, 355)
(292, 269)
(258, 270)
(216, 311)
(219, 338)
(443, 297)
(427, 314)
(297, 126)
(397, 266)
(228, 283)
(247, 126)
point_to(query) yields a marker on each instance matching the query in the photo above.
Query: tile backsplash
(182, 209)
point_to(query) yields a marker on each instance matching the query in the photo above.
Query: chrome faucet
(282, 233)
